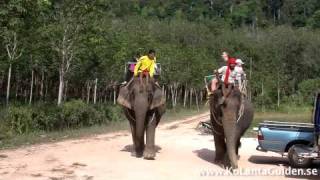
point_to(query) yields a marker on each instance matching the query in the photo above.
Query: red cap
(232, 61)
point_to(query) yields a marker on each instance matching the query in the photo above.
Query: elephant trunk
(140, 117)
(229, 126)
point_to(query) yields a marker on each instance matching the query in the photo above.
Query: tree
(314, 21)
(11, 25)
(64, 32)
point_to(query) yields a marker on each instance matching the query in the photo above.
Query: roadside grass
(122, 124)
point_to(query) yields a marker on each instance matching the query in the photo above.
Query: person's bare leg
(214, 84)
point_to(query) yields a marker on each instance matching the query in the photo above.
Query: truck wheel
(298, 162)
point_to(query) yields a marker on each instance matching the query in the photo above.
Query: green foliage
(314, 21)
(76, 113)
(18, 119)
(308, 88)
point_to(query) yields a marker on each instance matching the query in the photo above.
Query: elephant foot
(149, 154)
(134, 154)
(138, 153)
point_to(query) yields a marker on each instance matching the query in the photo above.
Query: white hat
(239, 61)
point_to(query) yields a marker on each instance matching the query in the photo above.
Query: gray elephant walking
(143, 105)
(231, 115)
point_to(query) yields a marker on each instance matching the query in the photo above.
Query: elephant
(228, 125)
(143, 105)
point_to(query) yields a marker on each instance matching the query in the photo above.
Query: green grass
(122, 124)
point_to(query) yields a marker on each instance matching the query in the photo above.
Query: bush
(18, 119)
(48, 117)
(111, 113)
(76, 113)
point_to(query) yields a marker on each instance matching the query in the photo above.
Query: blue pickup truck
(299, 141)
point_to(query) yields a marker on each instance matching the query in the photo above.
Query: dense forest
(57, 51)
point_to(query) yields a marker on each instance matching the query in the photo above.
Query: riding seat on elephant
(143, 105)
(231, 114)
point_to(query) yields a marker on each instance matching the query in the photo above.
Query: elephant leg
(219, 139)
(239, 134)
(237, 148)
(220, 147)
(130, 116)
(133, 133)
(150, 150)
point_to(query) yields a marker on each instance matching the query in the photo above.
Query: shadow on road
(273, 160)
(206, 154)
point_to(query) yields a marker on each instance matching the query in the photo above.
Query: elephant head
(141, 92)
(231, 115)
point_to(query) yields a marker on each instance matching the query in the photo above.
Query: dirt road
(183, 153)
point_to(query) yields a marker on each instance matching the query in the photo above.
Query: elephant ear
(157, 99)
(124, 97)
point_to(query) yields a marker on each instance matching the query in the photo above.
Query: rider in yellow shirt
(146, 64)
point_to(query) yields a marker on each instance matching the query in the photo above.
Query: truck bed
(288, 126)
(277, 136)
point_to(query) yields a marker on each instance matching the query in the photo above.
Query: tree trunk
(25, 96)
(262, 93)
(17, 89)
(46, 91)
(88, 92)
(61, 86)
(278, 88)
(41, 85)
(114, 96)
(8, 84)
(250, 78)
(172, 95)
(65, 91)
(191, 91)
(201, 96)
(31, 87)
(95, 91)
(176, 96)
(197, 102)
(185, 97)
